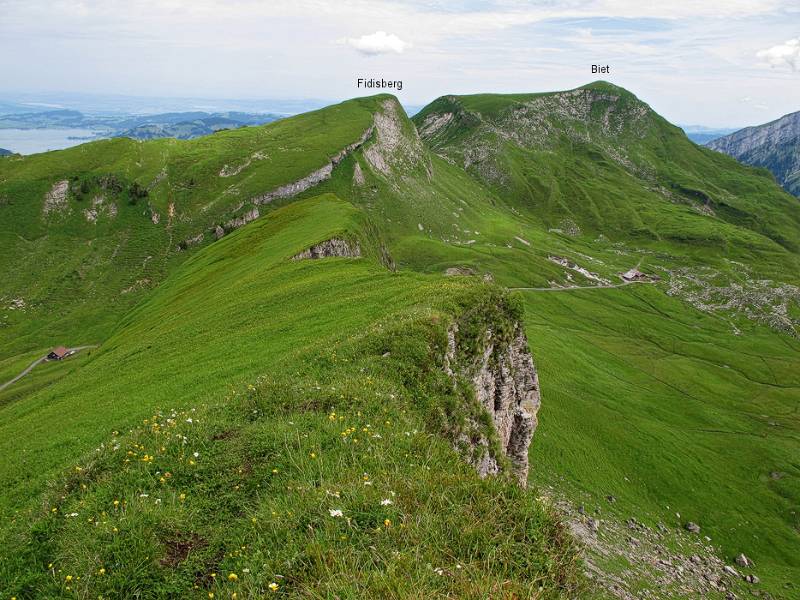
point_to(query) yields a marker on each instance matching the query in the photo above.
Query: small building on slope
(58, 353)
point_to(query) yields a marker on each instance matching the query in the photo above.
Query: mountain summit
(599, 157)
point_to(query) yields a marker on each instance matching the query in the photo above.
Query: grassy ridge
(88, 273)
(645, 397)
(340, 419)
(602, 158)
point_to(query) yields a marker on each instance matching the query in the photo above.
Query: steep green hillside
(598, 158)
(666, 396)
(675, 396)
(103, 223)
(328, 473)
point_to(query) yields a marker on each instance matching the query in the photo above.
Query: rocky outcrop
(231, 170)
(330, 248)
(242, 220)
(396, 146)
(434, 123)
(565, 262)
(506, 387)
(312, 179)
(358, 175)
(192, 241)
(100, 207)
(55, 201)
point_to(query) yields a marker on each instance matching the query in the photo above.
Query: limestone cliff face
(397, 146)
(330, 248)
(774, 146)
(506, 387)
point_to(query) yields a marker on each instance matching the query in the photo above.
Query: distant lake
(30, 141)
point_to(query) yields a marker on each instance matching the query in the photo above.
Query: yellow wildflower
(273, 586)
(233, 577)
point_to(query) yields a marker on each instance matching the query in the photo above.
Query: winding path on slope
(579, 287)
(39, 361)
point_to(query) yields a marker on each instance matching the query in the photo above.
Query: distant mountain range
(701, 134)
(182, 125)
(4, 152)
(774, 146)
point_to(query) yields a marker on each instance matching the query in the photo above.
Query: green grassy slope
(668, 408)
(645, 396)
(599, 157)
(227, 472)
(669, 412)
(634, 355)
(89, 272)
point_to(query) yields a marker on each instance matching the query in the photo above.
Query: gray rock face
(774, 146)
(692, 527)
(394, 148)
(358, 175)
(55, 201)
(241, 221)
(330, 248)
(729, 570)
(506, 386)
(743, 561)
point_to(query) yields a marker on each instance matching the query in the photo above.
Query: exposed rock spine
(506, 386)
(321, 174)
(331, 248)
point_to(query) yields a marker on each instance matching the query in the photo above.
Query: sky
(718, 63)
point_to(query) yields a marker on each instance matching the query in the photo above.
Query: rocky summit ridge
(774, 146)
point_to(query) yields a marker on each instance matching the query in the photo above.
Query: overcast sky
(710, 62)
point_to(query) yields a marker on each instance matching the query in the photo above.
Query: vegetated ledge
(493, 360)
(285, 191)
(315, 177)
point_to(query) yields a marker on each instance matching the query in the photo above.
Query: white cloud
(379, 42)
(783, 55)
